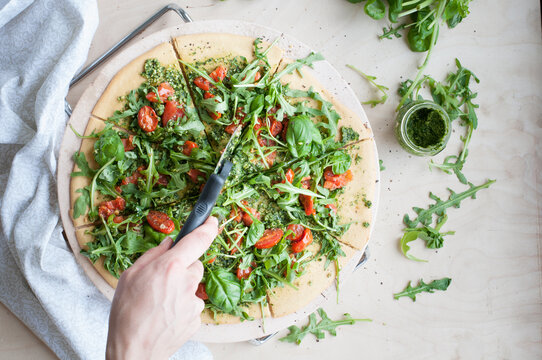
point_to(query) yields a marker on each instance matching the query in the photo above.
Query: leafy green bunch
(422, 19)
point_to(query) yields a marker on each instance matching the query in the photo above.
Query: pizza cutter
(207, 199)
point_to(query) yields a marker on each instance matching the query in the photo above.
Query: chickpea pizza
(296, 206)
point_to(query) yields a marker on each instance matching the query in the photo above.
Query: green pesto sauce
(155, 74)
(426, 127)
(153, 71)
(348, 135)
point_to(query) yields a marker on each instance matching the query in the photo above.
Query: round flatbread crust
(282, 301)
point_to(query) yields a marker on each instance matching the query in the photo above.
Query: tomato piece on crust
(159, 221)
(270, 238)
(147, 119)
(164, 91)
(305, 240)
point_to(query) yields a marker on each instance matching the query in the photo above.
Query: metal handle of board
(87, 70)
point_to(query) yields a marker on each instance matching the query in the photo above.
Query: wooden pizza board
(323, 72)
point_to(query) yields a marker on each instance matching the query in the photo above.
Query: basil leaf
(341, 162)
(255, 232)
(107, 147)
(300, 135)
(375, 9)
(223, 289)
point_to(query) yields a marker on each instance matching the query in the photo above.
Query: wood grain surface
(493, 308)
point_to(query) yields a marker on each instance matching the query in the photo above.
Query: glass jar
(405, 117)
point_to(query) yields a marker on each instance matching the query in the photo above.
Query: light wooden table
(493, 308)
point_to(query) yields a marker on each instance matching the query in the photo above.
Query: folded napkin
(42, 45)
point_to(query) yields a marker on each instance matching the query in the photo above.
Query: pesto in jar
(426, 127)
(422, 128)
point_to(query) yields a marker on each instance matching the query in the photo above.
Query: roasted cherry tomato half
(230, 129)
(305, 240)
(332, 207)
(238, 242)
(219, 73)
(147, 119)
(275, 128)
(172, 111)
(160, 222)
(296, 232)
(214, 115)
(270, 159)
(308, 204)
(194, 174)
(107, 208)
(163, 180)
(188, 146)
(202, 83)
(247, 219)
(289, 176)
(201, 293)
(235, 214)
(128, 143)
(333, 181)
(270, 238)
(243, 273)
(164, 91)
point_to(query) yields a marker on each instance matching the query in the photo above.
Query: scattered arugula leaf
(381, 164)
(431, 235)
(411, 292)
(317, 328)
(371, 79)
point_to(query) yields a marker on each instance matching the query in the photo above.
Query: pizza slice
(354, 201)
(225, 72)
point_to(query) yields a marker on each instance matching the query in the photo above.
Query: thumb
(154, 253)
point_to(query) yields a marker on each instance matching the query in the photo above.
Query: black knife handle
(206, 201)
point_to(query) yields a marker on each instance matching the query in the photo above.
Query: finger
(195, 274)
(153, 253)
(199, 306)
(193, 245)
(196, 269)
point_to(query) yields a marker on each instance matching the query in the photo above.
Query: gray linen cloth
(42, 45)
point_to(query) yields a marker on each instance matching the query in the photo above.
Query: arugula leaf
(223, 289)
(371, 79)
(317, 328)
(326, 110)
(425, 216)
(431, 235)
(80, 160)
(411, 292)
(298, 64)
(409, 236)
(388, 32)
(82, 203)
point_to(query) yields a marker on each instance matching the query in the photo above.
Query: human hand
(155, 309)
